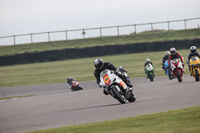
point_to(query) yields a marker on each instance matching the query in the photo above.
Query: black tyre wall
(64, 54)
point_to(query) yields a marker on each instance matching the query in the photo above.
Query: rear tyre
(197, 75)
(179, 76)
(118, 95)
(80, 88)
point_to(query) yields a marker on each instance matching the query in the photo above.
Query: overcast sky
(31, 16)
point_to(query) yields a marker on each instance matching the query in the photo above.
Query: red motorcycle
(177, 69)
(74, 86)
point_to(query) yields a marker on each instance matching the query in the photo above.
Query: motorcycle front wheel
(118, 95)
(151, 77)
(179, 76)
(170, 75)
(196, 75)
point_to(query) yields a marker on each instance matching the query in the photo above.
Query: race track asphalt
(55, 105)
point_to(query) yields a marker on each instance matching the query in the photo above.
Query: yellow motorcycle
(195, 67)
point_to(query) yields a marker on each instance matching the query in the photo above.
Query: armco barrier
(64, 54)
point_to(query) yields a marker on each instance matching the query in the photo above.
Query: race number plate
(122, 84)
(106, 79)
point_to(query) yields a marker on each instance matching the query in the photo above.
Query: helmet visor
(193, 50)
(98, 66)
(172, 52)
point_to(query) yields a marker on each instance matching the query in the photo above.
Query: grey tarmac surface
(56, 106)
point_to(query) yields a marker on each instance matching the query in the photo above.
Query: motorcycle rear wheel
(131, 97)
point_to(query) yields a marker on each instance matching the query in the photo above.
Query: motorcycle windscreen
(149, 67)
(175, 61)
(194, 59)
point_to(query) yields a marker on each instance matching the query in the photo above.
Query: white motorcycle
(116, 87)
(177, 69)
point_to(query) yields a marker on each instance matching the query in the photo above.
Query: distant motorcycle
(150, 71)
(116, 87)
(195, 67)
(74, 86)
(177, 69)
(167, 70)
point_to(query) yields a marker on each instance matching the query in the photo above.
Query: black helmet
(193, 49)
(98, 63)
(172, 51)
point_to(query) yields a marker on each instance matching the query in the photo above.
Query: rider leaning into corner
(69, 80)
(193, 52)
(100, 66)
(175, 55)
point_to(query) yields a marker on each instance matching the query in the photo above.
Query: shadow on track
(92, 107)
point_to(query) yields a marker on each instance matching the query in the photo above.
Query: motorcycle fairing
(74, 83)
(106, 79)
(194, 62)
(109, 78)
(176, 65)
(122, 84)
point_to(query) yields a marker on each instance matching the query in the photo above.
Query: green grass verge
(4, 98)
(81, 69)
(113, 40)
(176, 121)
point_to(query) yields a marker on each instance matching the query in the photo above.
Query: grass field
(176, 121)
(16, 97)
(113, 40)
(81, 69)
